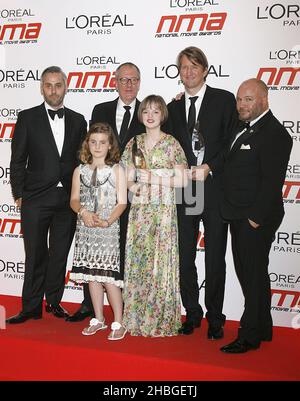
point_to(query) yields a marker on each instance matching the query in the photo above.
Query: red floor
(52, 349)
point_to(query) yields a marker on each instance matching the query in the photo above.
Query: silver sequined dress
(97, 254)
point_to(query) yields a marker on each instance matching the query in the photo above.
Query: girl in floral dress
(151, 280)
(99, 196)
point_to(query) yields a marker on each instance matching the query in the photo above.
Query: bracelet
(80, 211)
(107, 223)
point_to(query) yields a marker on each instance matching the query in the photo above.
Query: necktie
(192, 114)
(244, 125)
(60, 113)
(242, 133)
(125, 122)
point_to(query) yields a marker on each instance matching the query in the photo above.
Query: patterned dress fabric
(151, 280)
(97, 254)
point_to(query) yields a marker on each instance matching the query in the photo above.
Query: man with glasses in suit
(121, 115)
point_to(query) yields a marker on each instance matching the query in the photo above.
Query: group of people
(136, 232)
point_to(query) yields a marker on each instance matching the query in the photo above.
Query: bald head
(252, 99)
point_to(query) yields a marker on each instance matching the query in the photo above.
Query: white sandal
(114, 327)
(94, 326)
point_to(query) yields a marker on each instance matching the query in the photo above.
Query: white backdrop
(243, 39)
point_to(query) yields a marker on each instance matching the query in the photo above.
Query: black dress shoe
(56, 310)
(238, 347)
(266, 338)
(215, 333)
(80, 315)
(188, 327)
(23, 316)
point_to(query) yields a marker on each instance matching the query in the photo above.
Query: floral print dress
(151, 279)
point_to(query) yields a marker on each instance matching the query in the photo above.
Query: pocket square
(246, 147)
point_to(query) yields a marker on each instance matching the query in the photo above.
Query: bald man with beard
(254, 173)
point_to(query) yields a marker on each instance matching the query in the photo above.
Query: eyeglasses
(124, 81)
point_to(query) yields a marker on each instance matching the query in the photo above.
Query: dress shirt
(121, 111)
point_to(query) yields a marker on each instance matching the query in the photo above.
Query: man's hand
(253, 224)
(178, 96)
(19, 202)
(199, 173)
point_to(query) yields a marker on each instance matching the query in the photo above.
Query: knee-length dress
(151, 279)
(96, 253)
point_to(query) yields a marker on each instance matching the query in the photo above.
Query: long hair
(113, 155)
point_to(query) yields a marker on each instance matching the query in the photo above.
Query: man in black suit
(44, 154)
(254, 174)
(213, 112)
(121, 114)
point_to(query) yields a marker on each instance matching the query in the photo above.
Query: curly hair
(113, 155)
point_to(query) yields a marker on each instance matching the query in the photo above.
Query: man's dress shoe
(80, 315)
(23, 317)
(188, 327)
(215, 333)
(238, 347)
(56, 310)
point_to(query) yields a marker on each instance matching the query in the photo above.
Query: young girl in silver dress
(99, 197)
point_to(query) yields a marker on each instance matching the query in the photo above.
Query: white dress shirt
(58, 131)
(251, 123)
(121, 111)
(198, 154)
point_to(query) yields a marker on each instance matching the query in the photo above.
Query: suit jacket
(217, 117)
(254, 172)
(36, 165)
(106, 112)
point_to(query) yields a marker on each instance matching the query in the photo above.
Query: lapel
(46, 128)
(112, 112)
(133, 126)
(203, 112)
(68, 131)
(185, 135)
(250, 133)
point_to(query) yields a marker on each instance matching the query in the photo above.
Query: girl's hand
(145, 176)
(102, 223)
(89, 218)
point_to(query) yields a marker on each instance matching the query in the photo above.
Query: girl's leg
(97, 295)
(115, 299)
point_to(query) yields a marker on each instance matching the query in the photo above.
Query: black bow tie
(60, 113)
(244, 125)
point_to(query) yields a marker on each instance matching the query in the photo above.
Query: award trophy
(96, 194)
(198, 143)
(138, 159)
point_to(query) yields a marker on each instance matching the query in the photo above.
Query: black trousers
(48, 226)
(250, 248)
(215, 266)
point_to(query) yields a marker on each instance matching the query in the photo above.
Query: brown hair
(113, 155)
(158, 101)
(195, 55)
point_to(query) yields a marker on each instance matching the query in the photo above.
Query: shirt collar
(47, 106)
(258, 118)
(200, 93)
(122, 104)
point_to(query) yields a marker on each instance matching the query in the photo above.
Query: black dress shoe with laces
(80, 315)
(188, 327)
(23, 317)
(215, 333)
(238, 347)
(56, 310)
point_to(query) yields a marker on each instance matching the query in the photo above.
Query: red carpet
(52, 349)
